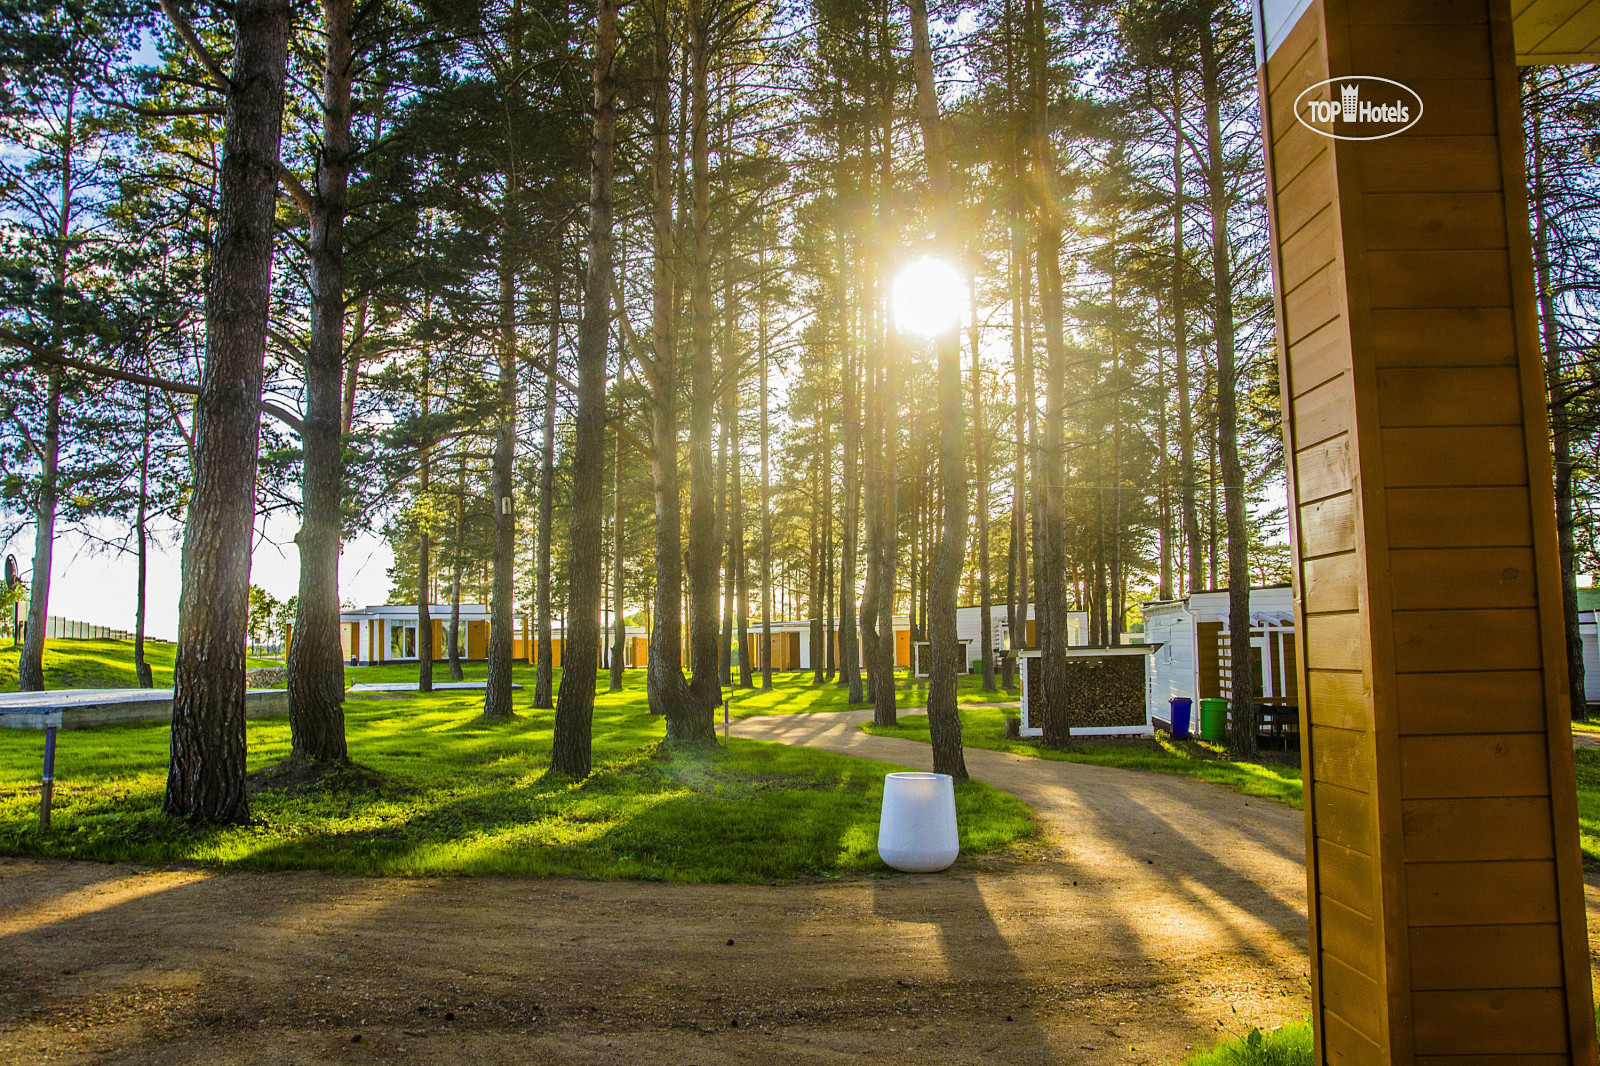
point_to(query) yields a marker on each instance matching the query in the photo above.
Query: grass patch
(984, 727)
(794, 692)
(1289, 1045)
(448, 795)
(98, 664)
(1588, 767)
(913, 691)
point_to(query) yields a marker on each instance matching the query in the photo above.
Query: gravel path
(1155, 911)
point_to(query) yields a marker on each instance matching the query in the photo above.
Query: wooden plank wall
(1208, 662)
(1445, 885)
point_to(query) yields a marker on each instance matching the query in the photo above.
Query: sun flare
(929, 297)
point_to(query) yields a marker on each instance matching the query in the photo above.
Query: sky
(91, 585)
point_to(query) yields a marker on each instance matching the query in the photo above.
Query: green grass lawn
(1286, 1046)
(984, 727)
(453, 796)
(97, 664)
(794, 692)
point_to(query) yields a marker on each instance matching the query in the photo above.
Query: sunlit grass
(456, 796)
(1588, 767)
(1286, 1046)
(984, 727)
(97, 664)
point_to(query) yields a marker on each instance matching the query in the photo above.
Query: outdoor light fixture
(929, 296)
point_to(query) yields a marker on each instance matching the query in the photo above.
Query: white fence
(70, 629)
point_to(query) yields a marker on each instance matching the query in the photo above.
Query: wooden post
(47, 781)
(1445, 878)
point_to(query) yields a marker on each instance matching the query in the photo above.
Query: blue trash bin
(1181, 707)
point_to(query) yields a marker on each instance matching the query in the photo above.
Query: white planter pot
(917, 830)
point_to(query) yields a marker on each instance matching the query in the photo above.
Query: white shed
(1192, 659)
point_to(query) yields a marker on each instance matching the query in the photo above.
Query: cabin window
(403, 640)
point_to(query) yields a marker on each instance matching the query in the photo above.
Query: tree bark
(424, 568)
(30, 663)
(1560, 401)
(980, 464)
(814, 594)
(1050, 524)
(453, 642)
(1195, 571)
(872, 492)
(944, 721)
(619, 621)
(571, 751)
(850, 444)
(206, 771)
(766, 482)
(316, 659)
(1242, 741)
(667, 689)
(544, 671)
(141, 669)
(705, 551)
(741, 571)
(497, 695)
(887, 549)
(724, 430)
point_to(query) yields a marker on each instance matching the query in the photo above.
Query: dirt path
(1158, 907)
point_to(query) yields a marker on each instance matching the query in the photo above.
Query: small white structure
(1118, 702)
(969, 627)
(1591, 652)
(922, 660)
(386, 633)
(1193, 659)
(917, 831)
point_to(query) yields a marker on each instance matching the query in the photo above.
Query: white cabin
(1192, 659)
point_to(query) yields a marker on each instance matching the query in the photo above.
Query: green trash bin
(1214, 719)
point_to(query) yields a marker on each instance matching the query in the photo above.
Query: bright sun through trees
(928, 297)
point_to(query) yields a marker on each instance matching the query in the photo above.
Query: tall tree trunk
(619, 619)
(316, 659)
(497, 697)
(980, 464)
(424, 550)
(1117, 617)
(766, 482)
(741, 570)
(878, 673)
(544, 670)
(887, 547)
(705, 551)
(454, 640)
(1050, 524)
(944, 723)
(1560, 400)
(1242, 737)
(818, 580)
(1195, 572)
(668, 691)
(884, 711)
(571, 750)
(725, 651)
(206, 771)
(141, 669)
(30, 664)
(849, 650)
(1021, 369)
(1016, 557)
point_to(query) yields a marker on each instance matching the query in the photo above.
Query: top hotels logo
(1358, 107)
